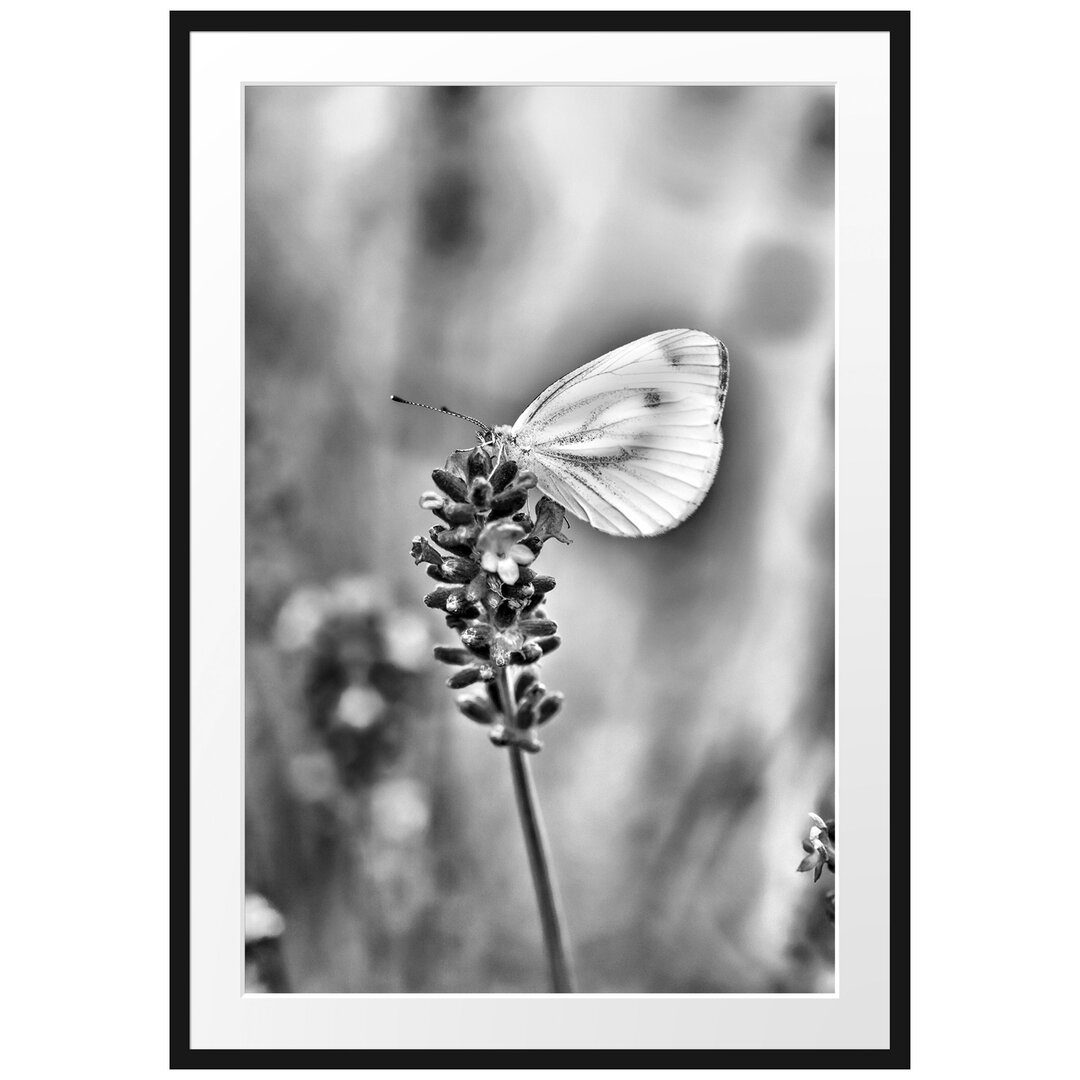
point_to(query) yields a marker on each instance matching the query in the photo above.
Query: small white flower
(502, 553)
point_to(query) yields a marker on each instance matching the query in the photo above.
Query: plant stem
(532, 825)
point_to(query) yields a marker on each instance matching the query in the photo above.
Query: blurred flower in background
(263, 925)
(351, 667)
(469, 246)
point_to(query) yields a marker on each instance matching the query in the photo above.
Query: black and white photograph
(539, 539)
(493, 495)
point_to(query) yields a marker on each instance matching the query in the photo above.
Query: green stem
(532, 825)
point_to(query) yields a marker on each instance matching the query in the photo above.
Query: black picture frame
(894, 23)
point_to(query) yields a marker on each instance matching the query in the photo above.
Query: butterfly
(629, 442)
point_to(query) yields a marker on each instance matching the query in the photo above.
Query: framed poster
(674, 247)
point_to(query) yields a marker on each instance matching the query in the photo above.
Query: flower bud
(477, 636)
(503, 475)
(438, 573)
(458, 540)
(525, 681)
(459, 513)
(450, 484)
(438, 598)
(504, 615)
(448, 654)
(549, 644)
(502, 647)
(478, 464)
(548, 707)
(543, 583)
(505, 505)
(476, 709)
(532, 694)
(457, 603)
(480, 492)
(477, 587)
(465, 677)
(525, 479)
(538, 627)
(459, 570)
(431, 500)
(530, 652)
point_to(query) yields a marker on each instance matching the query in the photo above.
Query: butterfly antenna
(443, 409)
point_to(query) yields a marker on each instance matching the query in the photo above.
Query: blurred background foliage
(467, 246)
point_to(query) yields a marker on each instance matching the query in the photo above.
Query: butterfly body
(630, 442)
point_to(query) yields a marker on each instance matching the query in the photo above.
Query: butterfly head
(503, 442)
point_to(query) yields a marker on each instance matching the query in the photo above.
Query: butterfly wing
(631, 441)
